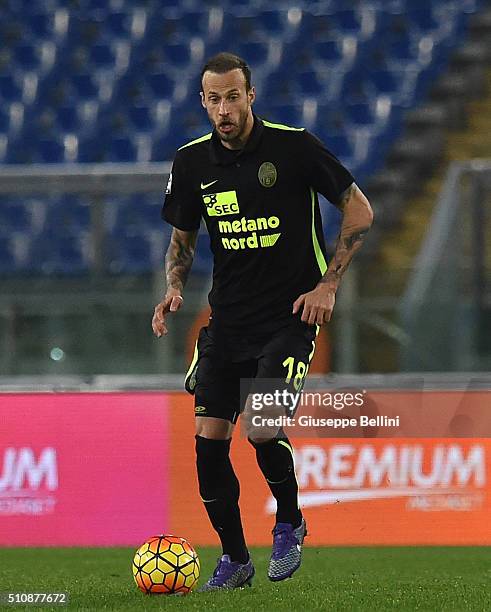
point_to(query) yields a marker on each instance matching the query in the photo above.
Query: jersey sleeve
(323, 170)
(182, 205)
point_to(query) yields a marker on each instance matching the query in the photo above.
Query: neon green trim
(286, 445)
(312, 352)
(319, 255)
(280, 126)
(193, 362)
(201, 139)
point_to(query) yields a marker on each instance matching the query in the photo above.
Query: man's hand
(317, 305)
(171, 302)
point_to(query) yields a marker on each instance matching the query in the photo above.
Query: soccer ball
(166, 564)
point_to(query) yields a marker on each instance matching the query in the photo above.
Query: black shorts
(221, 361)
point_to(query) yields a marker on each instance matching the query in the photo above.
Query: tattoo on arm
(346, 195)
(179, 259)
(357, 219)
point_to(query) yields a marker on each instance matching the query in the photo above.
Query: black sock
(219, 490)
(275, 458)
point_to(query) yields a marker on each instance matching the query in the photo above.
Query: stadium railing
(445, 310)
(97, 320)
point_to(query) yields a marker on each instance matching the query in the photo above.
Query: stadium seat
(257, 52)
(9, 262)
(10, 89)
(289, 114)
(55, 255)
(68, 216)
(141, 118)
(15, 216)
(4, 121)
(179, 26)
(135, 214)
(103, 56)
(122, 149)
(130, 254)
(95, 81)
(160, 85)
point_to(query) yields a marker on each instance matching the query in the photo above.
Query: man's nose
(223, 108)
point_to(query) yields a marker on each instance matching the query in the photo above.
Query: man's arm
(357, 219)
(178, 261)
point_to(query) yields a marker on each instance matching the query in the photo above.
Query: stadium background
(95, 98)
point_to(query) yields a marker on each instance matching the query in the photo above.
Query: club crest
(267, 174)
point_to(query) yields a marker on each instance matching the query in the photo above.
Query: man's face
(228, 104)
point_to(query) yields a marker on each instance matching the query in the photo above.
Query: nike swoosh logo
(204, 186)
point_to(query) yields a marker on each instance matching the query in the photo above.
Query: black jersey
(261, 209)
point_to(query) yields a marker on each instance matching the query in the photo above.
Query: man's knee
(215, 474)
(214, 428)
(256, 440)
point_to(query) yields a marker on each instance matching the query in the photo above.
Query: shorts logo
(219, 204)
(267, 174)
(200, 410)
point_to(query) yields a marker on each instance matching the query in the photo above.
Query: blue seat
(135, 215)
(165, 146)
(339, 144)
(280, 88)
(140, 118)
(130, 254)
(85, 31)
(9, 262)
(310, 84)
(68, 119)
(118, 24)
(121, 149)
(41, 25)
(256, 52)
(203, 259)
(331, 222)
(385, 81)
(347, 21)
(10, 91)
(54, 255)
(27, 57)
(68, 216)
(84, 86)
(424, 18)
(102, 56)
(15, 216)
(161, 85)
(92, 149)
(179, 26)
(170, 56)
(4, 122)
(360, 114)
(242, 28)
(327, 51)
(331, 119)
(289, 114)
(50, 151)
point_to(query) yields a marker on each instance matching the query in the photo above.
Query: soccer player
(255, 184)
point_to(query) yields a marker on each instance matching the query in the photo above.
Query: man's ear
(202, 95)
(252, 95)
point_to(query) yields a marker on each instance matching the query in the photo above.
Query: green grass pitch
(330, 579)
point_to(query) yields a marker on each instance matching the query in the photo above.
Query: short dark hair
(224, 62)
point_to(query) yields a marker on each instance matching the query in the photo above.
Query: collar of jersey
(222, 156)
